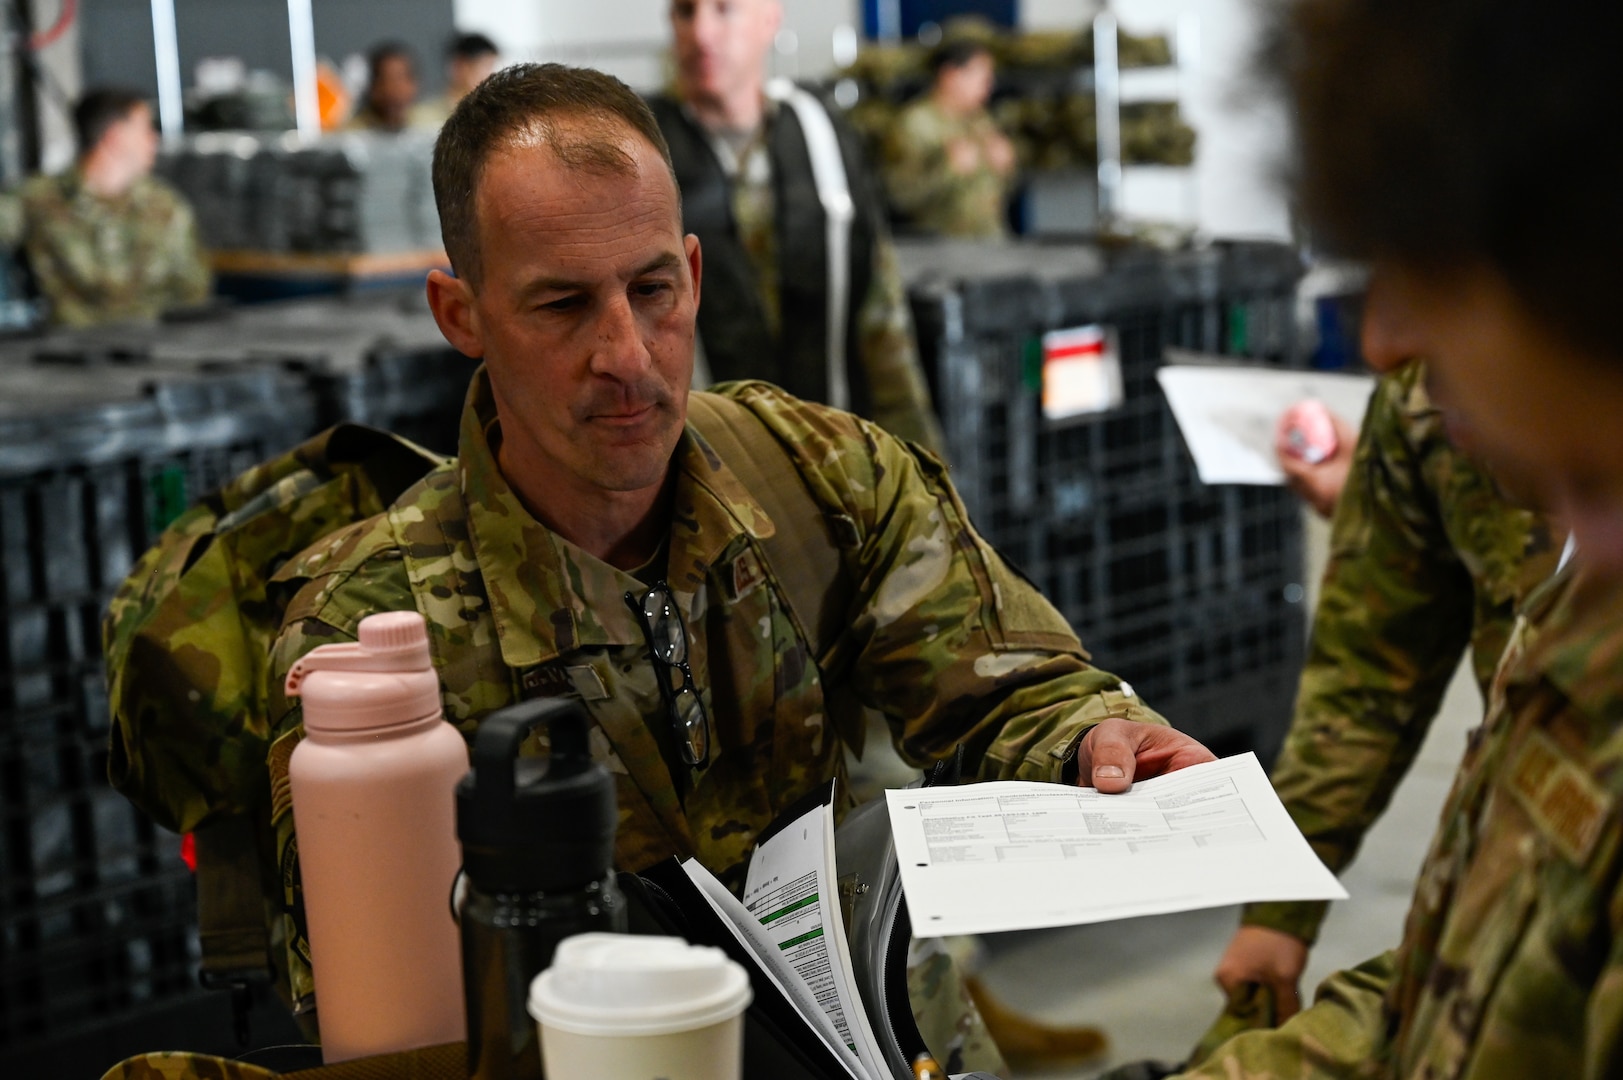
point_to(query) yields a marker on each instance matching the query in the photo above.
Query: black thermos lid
(537, 824)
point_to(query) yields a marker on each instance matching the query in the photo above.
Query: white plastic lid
(629, 984)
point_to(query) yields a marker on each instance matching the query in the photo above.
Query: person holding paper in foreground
(1427, 557)
(1419, 155)
(604, 533)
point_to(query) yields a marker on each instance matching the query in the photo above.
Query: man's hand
(1319, 484)
(1115, 752)
(1270, 958)
(999, 153)
(963, 156)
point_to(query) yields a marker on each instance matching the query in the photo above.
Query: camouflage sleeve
(890, 356)
(1394, 617)
(944, 638)
(1343, 1034)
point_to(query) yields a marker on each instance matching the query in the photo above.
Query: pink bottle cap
(383, 680)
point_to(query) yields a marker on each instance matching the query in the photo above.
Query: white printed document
(1010, 855)
(1228, 414)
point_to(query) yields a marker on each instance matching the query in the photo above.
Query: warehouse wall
(630, 38)
(117, 35)
(1231, 189)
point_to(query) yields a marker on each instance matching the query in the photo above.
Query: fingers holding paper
(1116, 752)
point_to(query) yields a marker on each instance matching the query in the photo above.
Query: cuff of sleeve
(1054, 759)
(1300, 919)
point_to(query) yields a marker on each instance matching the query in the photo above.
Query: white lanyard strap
(834, 192)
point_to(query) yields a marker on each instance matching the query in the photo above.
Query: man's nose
(1390, 334)
(620, 351)
(706, 24)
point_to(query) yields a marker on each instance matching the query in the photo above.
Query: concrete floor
(1147, 982)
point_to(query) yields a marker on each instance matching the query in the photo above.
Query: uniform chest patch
(747, 575)
(1563, 800)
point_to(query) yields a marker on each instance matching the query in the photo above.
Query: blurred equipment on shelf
(351, 212)
(1044, 98)
(354, 192)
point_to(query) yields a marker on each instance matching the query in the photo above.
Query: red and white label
(1081, 372)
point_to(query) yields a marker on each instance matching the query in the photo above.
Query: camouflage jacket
(103, 260)
(941, 637)
(1426, 557)
(923, 186)
(1510, 963)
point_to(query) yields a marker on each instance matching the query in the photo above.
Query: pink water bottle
(374, 806)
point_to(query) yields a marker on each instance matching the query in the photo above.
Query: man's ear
(451, 301)
(695, 263)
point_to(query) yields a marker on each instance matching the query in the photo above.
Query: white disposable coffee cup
(629, 1007)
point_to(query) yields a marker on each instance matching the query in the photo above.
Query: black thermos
(537, 854)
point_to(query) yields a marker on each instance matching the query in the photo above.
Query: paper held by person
(1009, 855)
(1228, 414)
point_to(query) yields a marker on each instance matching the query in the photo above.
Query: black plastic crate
(96, 457)
(417, 393)
(65, 827)
(97, 955)
(1191, 592)
(105, 437)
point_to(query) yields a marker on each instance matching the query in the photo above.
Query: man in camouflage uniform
(1426, 557)
(947, 166)
(106, 240)
(1509, 964)
(578, 488)
(745, 167)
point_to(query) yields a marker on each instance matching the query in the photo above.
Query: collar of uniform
(547, 596)
(769, 111)
(71, 183)
(73, 189)
(1576, 626)
(724, 150)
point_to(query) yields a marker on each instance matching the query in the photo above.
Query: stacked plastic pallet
(105, 437)
(1191, 592)
(94, 460)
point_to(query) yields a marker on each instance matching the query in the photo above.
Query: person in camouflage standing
(745, 166)
(947, 166)
(1416, 156)
(1427, 558)
(581, 500)
(105, 239)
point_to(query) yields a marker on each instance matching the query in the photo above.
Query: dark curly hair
(1449, 133)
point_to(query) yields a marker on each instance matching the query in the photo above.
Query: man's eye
(563, 303)
(652, 288)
